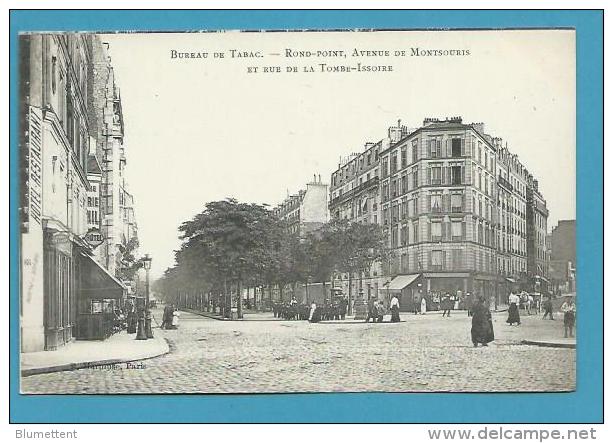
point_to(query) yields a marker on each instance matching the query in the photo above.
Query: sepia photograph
(297, 211)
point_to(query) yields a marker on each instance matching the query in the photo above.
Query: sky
(203, 129)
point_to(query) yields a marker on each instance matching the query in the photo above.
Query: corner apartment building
(454, 216)
(56, 262)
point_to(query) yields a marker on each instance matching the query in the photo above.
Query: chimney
(394, 133)
(479, 127)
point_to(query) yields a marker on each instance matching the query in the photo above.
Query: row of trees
(232, 245)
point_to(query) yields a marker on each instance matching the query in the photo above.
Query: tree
(347, 247)
(233, 241)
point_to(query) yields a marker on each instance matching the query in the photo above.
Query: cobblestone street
(422, 353)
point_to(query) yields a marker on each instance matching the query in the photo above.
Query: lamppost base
(148, 331)
(360, 307)
(141, 334)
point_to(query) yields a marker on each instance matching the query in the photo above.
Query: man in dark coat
(372, 310)
(446, 305)
(548, 305)
(482, 330)
(343, 307)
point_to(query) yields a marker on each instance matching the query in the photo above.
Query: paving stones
(422, 353)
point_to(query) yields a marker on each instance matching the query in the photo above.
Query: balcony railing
(349, 194)
(505, 183)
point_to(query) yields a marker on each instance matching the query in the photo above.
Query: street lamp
(147, 266)
(144, 318)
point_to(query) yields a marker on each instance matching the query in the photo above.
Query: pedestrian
(423, 306)
(569, 309)
(372, 310)
(167, 317)
(458, 297)
(446, 304)
(469, 301)
(395, 308)
(548, 305)
(416, 303)
(175, 318)
(312, 311)
(380, 311)
(343, 307)
(513, 309)
(482, 330)
(315, 314)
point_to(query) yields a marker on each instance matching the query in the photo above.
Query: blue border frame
(583, 406)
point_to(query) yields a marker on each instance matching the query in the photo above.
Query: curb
(220, 318)
(89, 364)
(546, 344)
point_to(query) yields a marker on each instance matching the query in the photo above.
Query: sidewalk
(534, 330)
(119, 348)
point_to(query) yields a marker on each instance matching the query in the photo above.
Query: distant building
(106, 115)
(564, 241)
(563, 260)
(307, 210)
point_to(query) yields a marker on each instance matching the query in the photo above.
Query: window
(456, 175)
(435, 147)
(438, 260)
(435, 175)
(403, 156)
(436, 202)
(384, 168)
(393, 163)
(436, 231)
(456, 202)
(385, 191)
(456, 230)
(405, 184)
(415, 232)
(404, 235)
(456, 147)
(394, 237)
(414, 149)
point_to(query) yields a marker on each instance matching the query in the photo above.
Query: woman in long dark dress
(395, 308)
(482, 330)
(513, 310)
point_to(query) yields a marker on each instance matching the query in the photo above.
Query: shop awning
(446, 274)
(401, 282)
(97, 282)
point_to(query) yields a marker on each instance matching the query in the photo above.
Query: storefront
(407, 288)
(61, 286)
(101, 294)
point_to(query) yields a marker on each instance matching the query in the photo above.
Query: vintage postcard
(297, 211)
